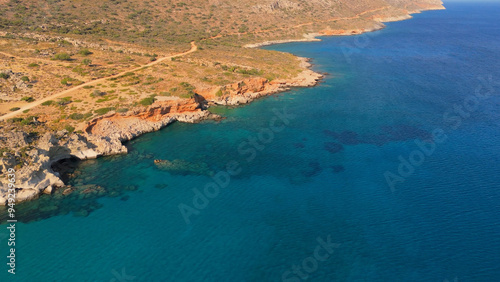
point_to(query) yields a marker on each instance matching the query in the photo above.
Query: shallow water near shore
(321, 175)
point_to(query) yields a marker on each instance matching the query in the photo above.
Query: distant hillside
(173, 22)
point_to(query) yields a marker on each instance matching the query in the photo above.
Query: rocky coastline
(104, 136)
(378, 24)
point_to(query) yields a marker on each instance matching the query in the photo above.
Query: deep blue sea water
(323, 175)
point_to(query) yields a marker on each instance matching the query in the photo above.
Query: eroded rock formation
(37, 176)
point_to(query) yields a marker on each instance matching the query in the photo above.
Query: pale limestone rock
(48, 190)
(7, 161)
(37, 176)
(13, 139)
(26, 195)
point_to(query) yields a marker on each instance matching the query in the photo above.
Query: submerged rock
(131, 188)
(333, 147)
(299, 145)
(67, 191)
(337, 168)
(81, 213)
(184, 167)
(313, 169)
(161, 186)
(124, 198)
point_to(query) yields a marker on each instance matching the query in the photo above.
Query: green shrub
(87, 62)
(65, 81)
(62, 57)
(103, 111)
(4, 75)
(64, 101)
(219, 93)
(122, 110)
(243, 28)
(26, 121)
(250, 72)
(84, 52)
(33, 65)
(48, 103)
(28, 99)
(187, 95)
(16, 119)
(97, 93)
(70, 81)
(14, 109)
(147, 101)
(25, 79)
(80, 70)
(76, 116)
(69, 128)
(187, 86)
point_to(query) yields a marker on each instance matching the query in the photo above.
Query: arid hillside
(172, 23)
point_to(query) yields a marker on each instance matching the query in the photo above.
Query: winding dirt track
(67, 91)
(193, 49)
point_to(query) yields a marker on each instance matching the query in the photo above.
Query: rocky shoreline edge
(104, 136)
(378, 25)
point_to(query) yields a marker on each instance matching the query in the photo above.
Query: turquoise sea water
(323, 175)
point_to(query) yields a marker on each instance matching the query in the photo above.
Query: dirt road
(96, 81)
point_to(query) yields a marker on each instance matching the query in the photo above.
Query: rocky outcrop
(103, 136)
(14, 139)
(249, 89)
(14, 82)
(162, 113)
(37, 175)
